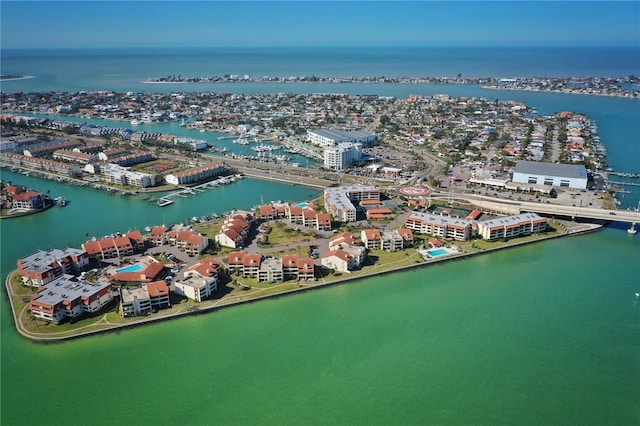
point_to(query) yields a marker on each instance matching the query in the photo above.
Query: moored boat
(164, 201)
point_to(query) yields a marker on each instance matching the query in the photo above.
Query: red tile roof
(157, 288)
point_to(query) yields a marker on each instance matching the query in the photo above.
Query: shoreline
(27, 213)
(212, 306)
(530, 84)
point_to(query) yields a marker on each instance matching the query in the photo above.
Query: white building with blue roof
(551, 174)
(331, 138)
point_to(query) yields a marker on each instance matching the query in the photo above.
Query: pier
(621, 183)
(623, 174)
(200, 188)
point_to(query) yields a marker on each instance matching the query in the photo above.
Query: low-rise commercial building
(550, 174)
(330, 137)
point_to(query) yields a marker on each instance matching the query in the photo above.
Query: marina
(185, 192)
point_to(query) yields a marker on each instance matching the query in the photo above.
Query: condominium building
(199, 281)
(442, 226)
(342, 155)
(339, 260)
(40, 267)
(392, 241)
(372, 238)
(68, 297)
(512, 226)
(196, 174)
(110, 247)
(339, 201)
(134, 301)
(270, 270)
(191, 242)
(120, 175)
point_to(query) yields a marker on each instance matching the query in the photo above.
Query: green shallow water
(525, 336)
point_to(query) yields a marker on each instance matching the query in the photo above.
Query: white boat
(135, 122)
(60, 201)
(148, 229)
(164, 201)
(637, 295)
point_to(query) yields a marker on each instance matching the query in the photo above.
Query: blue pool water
(437, 252)
(303, 205)
(132, 268)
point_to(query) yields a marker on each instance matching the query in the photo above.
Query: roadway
(514, 206)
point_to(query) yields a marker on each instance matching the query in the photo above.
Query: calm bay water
(543, 334)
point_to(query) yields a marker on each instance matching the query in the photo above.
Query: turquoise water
(543, 334)
(527, 336)
(438, 252)
(132, 268)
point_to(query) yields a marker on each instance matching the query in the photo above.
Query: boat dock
(624, 174)
(621, 183)
(197, 189)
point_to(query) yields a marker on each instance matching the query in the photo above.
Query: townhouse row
(306, 216)
(271, 269)
(187, 240)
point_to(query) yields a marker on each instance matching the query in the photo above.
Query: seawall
(584, 228)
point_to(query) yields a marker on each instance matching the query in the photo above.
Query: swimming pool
(132, 268)
(438, 252)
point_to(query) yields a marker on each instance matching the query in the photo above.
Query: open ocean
(545, 334)
(124, 69)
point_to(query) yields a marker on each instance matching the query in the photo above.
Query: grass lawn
(284, 234)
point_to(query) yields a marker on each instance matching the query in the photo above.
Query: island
(626, 86)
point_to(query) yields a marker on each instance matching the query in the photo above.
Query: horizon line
(332, 46)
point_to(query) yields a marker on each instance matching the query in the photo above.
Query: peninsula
(407, 182)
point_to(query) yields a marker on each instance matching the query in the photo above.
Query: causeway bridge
(508, 206)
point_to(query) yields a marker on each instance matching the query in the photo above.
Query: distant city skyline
(54, 24)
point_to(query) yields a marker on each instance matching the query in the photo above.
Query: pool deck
(427, 253)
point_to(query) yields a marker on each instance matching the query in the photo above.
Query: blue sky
(317, 23)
